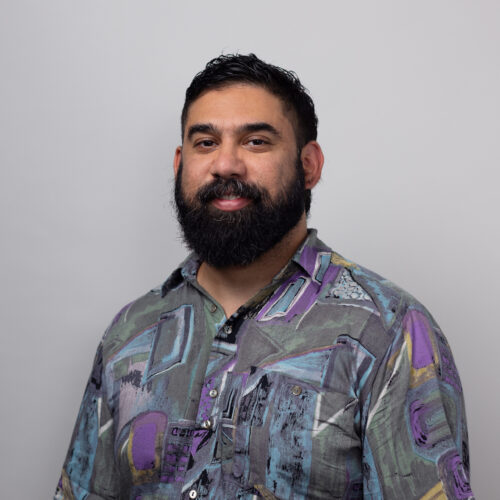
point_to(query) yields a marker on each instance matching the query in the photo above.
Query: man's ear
(177, 159)
(312, 162)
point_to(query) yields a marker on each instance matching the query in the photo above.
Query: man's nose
(228, 162)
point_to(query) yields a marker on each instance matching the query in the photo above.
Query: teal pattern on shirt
(330, 383)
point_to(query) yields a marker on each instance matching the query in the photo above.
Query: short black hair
(229, 69)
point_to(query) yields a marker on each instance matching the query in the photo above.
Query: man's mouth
(230, 202)
(229, 195)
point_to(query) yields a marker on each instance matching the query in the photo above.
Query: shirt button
(206, 424)
(213, 393)
(237, 470)
(228, 329)
(213, 308)
(193, 493)
(296, 390)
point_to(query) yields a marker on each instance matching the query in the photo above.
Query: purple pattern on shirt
(418, 326)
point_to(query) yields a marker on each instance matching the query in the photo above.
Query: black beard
(237, 238)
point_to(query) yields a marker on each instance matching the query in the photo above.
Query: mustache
(229, 187)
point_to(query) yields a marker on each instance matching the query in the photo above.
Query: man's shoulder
(352, 280)
(390, 299)
(142, 314)
(391, 302)
(136, 318)
(396, 311)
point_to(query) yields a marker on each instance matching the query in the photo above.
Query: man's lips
(230, 203)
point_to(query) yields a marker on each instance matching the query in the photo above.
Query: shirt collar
(306, 257)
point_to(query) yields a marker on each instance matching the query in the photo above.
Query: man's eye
(257, 142)
(205, 143)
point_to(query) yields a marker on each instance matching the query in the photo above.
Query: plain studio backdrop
(407, 95)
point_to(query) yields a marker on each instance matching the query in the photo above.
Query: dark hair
(236, 68)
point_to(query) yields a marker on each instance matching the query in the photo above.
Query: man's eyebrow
(258, 127)
(210, 128)
(201, 128)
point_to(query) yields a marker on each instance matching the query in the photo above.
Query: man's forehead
(239, 102)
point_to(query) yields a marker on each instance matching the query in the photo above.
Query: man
(266, 366)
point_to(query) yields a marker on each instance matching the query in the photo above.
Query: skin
(244, 132)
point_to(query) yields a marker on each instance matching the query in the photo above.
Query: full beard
(237, 238)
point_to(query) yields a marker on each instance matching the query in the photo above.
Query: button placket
(209, 394)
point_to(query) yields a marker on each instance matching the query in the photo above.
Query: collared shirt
(330, 383)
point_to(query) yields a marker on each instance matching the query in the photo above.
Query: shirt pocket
(295, 440)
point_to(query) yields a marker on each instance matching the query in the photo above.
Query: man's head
(230, 69)
(243, 172)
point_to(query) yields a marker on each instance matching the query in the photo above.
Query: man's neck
(233, 286)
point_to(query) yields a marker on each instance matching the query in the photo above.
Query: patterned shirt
(330, 383)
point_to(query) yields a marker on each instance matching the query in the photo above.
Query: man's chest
(252, 407)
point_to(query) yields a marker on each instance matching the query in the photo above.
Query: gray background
(407, 95)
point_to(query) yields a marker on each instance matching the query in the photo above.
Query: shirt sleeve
(89, 469)
(415, 442)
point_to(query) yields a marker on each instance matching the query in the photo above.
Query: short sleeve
(415, 435)
(89, 469)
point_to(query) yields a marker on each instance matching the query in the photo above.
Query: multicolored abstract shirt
(330, 383)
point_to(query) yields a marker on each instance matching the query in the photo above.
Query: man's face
(239, 181)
